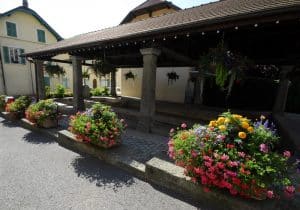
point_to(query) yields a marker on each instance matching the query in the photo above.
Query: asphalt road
(36, 173)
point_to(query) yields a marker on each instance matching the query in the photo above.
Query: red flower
(287, 154)
(270, 194)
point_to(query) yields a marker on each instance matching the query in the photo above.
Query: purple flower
(264, 148)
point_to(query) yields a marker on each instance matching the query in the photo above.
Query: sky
(73, 17)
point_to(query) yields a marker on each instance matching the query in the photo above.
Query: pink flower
(194, 153)
(270, 194)
(290, 189)
(264, 148)
(287, 154)
(224, 157)
(183, 126)
(233, 164)
(241, 154)
(172, 130)
(181, 152)
(220, 165)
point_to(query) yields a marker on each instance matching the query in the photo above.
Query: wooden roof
(196, 17)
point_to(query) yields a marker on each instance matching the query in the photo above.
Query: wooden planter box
(14, 116)
(49, 123)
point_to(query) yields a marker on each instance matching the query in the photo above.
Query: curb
(170, 176)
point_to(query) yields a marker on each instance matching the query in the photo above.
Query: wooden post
(113, 83)
(40, 81)
(283, 89)
(147, 107)
(78, 100)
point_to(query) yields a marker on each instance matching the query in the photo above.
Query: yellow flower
(212, 123)
(245, 125)
(242, 135)
(250, 129)
(227, 120)
(236, 116)
(221, 120)
(222, 128)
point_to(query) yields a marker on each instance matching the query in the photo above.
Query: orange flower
(242, 135)
(250, 129)
(245, 125)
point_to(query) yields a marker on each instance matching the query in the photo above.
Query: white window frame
(14, 49)
(17, 31)
(37, 36)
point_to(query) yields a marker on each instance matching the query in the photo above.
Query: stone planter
(101, 145)
(14, 116)
(49, 123)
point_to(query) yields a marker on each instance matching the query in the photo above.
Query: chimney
(25, 3)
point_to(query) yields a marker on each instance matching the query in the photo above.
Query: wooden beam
(65, 61)
(179, 57)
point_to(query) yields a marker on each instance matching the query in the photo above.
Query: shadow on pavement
(8, 124)
(36, 138)
(104, 175)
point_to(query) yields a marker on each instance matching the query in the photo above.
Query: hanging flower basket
(130, 75)
(172, 77)
(54, 69)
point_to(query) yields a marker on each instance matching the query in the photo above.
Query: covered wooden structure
(266, 31)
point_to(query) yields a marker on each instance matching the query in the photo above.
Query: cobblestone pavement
(36, 173)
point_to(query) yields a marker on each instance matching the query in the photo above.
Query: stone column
(283, 89)
(40, 82)
(147, 107)
(78, 100)
(113, 83)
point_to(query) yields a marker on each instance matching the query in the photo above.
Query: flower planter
(49, 123)
(105, 146)
(14, 116)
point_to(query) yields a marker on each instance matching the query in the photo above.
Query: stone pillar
(113, 83)
(282, 92)
(147, 107)
(199, 87)
(40, 82)
(78, 100)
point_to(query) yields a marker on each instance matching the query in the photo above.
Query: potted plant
(129, 75)
(98, 126)
(234, 154)
(172, 77)
(54, 69)
(2, 103)
(43, 113)
(17, 108)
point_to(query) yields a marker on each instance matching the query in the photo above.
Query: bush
(100, 92)
(99, 126)
(59, 91)
(235, 154)
(19, 105)
(42, 110)
(2, 102)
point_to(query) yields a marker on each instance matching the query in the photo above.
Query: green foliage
(100, 91)
(102, 67)
(59, 91)
(48, 92)
(42, 110)
(54, 69)
(86, 74)
(233, 153)
(19, 105)
(99, 125)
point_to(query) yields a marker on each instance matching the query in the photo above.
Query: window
(65, 82)
(11, 29)
(41, 36)
(12, 55)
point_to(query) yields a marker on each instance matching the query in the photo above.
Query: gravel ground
(36, 173)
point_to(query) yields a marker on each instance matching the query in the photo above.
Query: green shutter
(41, 36)
(6, 55)
(11, 29)
(23, 61)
